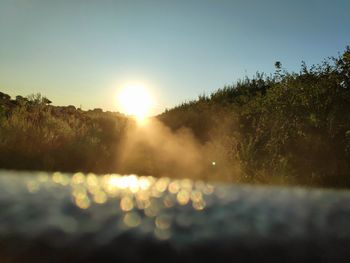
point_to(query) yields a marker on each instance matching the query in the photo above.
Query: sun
(135, 100)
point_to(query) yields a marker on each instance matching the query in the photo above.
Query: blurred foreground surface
(88, 218)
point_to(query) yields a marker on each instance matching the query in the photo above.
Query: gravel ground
(56, 217)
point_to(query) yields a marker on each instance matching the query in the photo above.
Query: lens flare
(135, 100)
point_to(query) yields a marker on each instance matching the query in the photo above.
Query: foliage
(284, 128)
(36, 135)
(292, 126)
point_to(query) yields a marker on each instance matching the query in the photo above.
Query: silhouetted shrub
(291, 126)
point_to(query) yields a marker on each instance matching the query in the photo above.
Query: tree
(278, 66)
(4, 97)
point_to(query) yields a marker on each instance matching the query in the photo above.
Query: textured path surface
(84, 218)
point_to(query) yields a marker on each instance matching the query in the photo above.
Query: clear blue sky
(80, 52)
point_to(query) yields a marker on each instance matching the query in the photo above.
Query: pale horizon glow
(135, 100)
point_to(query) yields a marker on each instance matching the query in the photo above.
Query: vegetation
(291, 128)
(37, 136)
(285, 128)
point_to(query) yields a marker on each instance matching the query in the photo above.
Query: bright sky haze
(82, 52)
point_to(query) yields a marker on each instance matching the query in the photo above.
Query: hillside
(289, 128)
(38, 136)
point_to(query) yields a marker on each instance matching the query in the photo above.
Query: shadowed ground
(88, 218)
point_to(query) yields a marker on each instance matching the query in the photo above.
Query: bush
(293, 126)
(35, 135)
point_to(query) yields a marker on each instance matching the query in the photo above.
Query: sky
(81, 53)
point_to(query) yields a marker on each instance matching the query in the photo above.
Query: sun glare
(135, 100)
